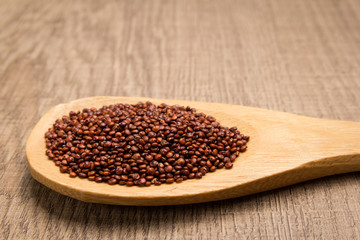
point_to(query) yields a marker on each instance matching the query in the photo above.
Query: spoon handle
(305, 141)
(336, 143)
(331, 137)
(317, 142)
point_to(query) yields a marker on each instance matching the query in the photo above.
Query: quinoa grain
(142, 144)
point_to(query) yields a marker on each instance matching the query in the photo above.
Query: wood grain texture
(295, 56)
(285, 149)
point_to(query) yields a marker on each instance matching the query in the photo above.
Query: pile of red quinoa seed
(142, 144)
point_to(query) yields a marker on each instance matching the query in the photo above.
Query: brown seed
(168, 168)
(181, 161)
(151, 171)
(142, 181)
(63, 169)
(149, 177)
(198, 175)
(134, 149)
(119, 170)
(140, 162)
(156, 129)
(243, 148)
(112, 181)
(87, 164)
(228, 165)
(98, 179)
(170, 180)
(154, 163)
(142, 166)
(82, 175)
(185, 172)
(215, 152)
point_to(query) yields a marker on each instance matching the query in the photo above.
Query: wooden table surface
(295, 56)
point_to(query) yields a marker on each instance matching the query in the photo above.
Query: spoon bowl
(284, 149)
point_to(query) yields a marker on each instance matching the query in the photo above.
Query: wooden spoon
(284, 149)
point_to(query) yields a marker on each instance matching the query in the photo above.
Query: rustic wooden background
(299, 56)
